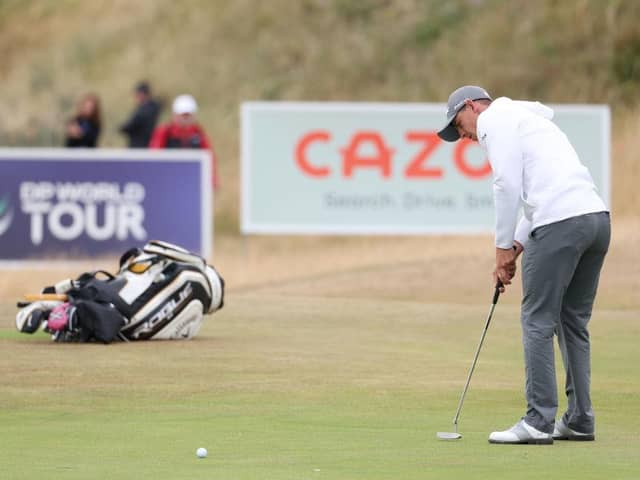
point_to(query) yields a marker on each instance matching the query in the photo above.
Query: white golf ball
(201, 452)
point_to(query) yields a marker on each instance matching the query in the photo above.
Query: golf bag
(160, 292)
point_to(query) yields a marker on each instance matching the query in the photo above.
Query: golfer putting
(563, 237)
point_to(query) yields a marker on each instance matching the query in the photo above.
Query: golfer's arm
(506, 161)
(522, 231)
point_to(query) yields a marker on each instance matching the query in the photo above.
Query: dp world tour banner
(380, 168)
(68, 203)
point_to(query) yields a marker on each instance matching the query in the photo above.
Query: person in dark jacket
(83, 129)
(142, 121)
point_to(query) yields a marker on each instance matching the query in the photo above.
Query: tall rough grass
(226, 52)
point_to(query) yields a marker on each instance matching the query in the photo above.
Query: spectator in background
(143, 120)
(83, 130)
(184, 132)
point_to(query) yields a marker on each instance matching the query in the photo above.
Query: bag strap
(174, 252)
(85, 277)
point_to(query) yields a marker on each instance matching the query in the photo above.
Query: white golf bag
(161, 291)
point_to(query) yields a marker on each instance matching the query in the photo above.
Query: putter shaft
(475, 358)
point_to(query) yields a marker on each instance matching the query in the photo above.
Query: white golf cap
(184, 104)
(455, 104)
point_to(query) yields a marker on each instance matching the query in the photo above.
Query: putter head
(448, 435)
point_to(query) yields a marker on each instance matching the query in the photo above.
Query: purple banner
(65, 204)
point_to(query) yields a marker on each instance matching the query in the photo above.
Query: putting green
(292, 387)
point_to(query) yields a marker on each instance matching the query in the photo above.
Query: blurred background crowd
(141, 129)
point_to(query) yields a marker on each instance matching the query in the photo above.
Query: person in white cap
(184, 132)
(564, 236)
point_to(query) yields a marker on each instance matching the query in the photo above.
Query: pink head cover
(59, 317)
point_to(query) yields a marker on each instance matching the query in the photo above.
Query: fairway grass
(302, 387)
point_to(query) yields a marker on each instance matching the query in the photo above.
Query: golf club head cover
(59, 317)
(30, 317)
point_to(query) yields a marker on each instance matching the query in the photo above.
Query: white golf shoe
(521, 433)
(562, 432)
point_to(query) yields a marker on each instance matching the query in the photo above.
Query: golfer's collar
(480, 131)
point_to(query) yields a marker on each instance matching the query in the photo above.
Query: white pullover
(535, 166)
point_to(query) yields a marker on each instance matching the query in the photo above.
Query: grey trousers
(560, 272)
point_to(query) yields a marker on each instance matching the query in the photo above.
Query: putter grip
(496, 294)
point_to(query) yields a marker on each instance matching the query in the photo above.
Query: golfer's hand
(517, 246)
(505, 266)
(495, 282)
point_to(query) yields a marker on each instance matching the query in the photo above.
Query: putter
(455, 435)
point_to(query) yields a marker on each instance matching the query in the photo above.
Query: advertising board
(377, 168)
(75, 203)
